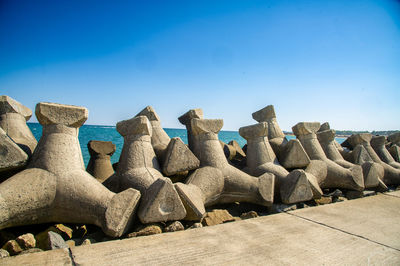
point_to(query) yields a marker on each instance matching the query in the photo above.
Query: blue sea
(109, 133)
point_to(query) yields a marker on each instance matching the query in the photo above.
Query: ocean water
(109, 133)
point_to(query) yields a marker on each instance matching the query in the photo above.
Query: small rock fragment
(70, 243)
(249, 215)
(12, 247)
(174, 226)
(217, 217)
(146, 231)
(323, 200)
(86, 242)
(352, 194)
(26, 241)
(196, 225)
(4, 253)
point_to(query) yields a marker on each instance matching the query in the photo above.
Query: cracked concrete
(357, 232)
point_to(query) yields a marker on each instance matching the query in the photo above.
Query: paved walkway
(357, 232)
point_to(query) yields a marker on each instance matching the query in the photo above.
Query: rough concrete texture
(328, 173)
(291, 187)
(99, 164)
(335, 234)
(394, 138)
(378, 144)
(391, 175)
(60, 190)
(290, 154)
(186, 119)
(220, 182)
(179, 158)
(12, 157)
(138, 168)
(395, 152)
(372, 172)
(164, 149)
(13, 117)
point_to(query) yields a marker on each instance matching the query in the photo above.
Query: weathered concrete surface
(100, 159)
(374, 218)
(312, 236)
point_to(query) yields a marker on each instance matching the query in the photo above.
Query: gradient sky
(335, 61)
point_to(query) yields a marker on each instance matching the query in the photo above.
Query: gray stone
(100, 159)
(12, 247)
(378, 144)
(138, 168)
(55, 241)
(174, 226)
(146, 231)
(60, 190)
(277, 208)
(179, 158)
(290, 187)
(220, 182)
(13, 117)
(391, 175)
(12, 157)
(248, 215)
(4, 253)
(217, 217)
(291, 154)
(26, 241)
(328, 173)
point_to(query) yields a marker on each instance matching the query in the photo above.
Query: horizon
(326, 61)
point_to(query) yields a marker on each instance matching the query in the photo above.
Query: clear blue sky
(335, 61)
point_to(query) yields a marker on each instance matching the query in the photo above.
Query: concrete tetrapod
(394, 149)
(59, 189)
(186, 119)
(167, 149)
(391, 175)
(100, 159)
(12, 157)
(292, 187)
(220, 182)
(378, 144)
(138, 168)
(13, 117)
(290, 154)
(328, 173)
(372, 172)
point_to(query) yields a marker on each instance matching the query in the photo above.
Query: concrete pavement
(357, 232)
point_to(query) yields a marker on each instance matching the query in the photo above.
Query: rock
(62, 230)
(70, 243)
(55, 241)
(174, 226)
(196, 225)
(12, 157)
(179, 158)
(80, 231)
(26, 241)
(85, 242)
(339, 199)
(4, 253)
(138, 168)
(59, 187)
(323, 200)
(249, 215)
(31, 250)
(12, 247)
(99, 164)
(217, 217)
(336, 193)
(367, 193)
(146, 231)
(13, 117)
